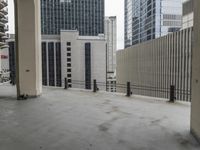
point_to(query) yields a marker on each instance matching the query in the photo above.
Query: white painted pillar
(28, 47)
(195, 113)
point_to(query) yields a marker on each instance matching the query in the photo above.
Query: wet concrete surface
(82, 120)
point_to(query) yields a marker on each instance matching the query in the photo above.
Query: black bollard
(94, 86)
(66, 84)
(172, 94)
(128, 89)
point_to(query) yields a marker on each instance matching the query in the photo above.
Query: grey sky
(112, 8)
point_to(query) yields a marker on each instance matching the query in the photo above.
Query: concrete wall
(195, 119)
(155, 65)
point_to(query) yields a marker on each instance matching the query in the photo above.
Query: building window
(51, 64)
(58, 65)
(69, 65)
(68, 43)
(44, 64)
(68, 54)
(69, 49)
(69, 75)
(68, 59)
(88, 65)
(12, 60)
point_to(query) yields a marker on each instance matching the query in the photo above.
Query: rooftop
(82, 120)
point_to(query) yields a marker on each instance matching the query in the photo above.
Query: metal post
(128, 90)
(107, 67)
(172, 94)
(94, 86)
(66, 83)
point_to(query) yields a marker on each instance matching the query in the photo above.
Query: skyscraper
(4, 77)
(86, 16)
(86, 19)
(150, 19)
(3, 22)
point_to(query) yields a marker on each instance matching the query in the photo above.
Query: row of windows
(172, 17)
(88, 66)
(85, 16)
(69, 65)
(53, 57)
(172, 23)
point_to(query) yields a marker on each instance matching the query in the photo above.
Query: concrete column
(0, 61)
(28, 48)
(195, 113)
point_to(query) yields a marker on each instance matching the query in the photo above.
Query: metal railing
(171, 94)
(154, 66)
(4, 77)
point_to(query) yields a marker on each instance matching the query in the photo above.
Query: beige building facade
(154, 66)
(83, 59)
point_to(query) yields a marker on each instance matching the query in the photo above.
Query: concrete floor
(80, 120)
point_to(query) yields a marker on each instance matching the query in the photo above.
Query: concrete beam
(195, 113)
(28, 48)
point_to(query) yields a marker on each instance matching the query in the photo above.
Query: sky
(112, 8)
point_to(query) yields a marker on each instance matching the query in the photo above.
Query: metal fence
(128, 88)
(4, 76)
(154, 66)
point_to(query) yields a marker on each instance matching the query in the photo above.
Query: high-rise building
(73, 43)
(188, 14)
(111, 38)
(150, 19)
(86, 16)
(3, 36)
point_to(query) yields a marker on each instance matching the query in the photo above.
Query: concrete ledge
(195, 135)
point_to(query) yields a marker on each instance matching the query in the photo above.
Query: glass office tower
(150, 19)
(86, 16)
(188, 14)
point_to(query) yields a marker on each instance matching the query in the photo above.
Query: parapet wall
(153, 66)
